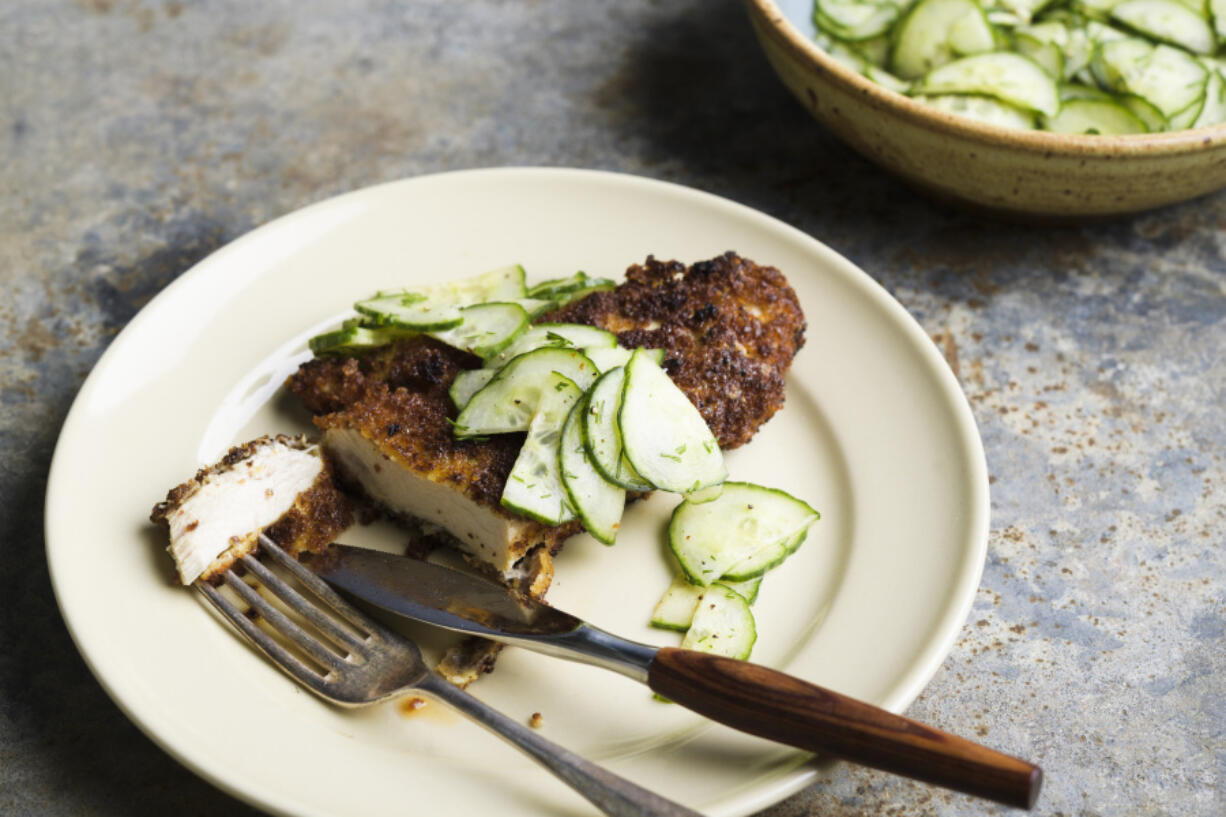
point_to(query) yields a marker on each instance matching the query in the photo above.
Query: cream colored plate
(876, 434)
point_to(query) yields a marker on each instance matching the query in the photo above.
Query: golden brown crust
(397, 398)
(421, 365)
(319, 515)
(729, 328)
(414, 427)
(469, 660)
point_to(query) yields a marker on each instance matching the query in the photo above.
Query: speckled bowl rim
(781, 29)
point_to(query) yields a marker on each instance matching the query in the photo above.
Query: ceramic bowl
(1021, 173)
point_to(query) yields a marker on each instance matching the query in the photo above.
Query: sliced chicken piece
(279, 485)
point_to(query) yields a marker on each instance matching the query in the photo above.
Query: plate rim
(972, 457)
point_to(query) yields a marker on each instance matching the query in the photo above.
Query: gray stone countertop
(138, 136)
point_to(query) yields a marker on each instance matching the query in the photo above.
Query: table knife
(745, 696)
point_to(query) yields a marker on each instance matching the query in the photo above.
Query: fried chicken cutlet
(729, 328)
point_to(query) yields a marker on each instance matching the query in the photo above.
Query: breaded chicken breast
(729, 328)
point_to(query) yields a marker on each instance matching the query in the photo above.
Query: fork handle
(613, 795)
(779, 707)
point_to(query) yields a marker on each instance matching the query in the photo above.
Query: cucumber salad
(1066, 66)
(600, 420)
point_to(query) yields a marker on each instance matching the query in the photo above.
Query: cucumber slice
(765, 559)
(509, 401)
(602, 437)
(437, 307)
(579, 335)
(936, 32)
(606, 359)
(711, 538)
(722, 625)
(848, 57)
(409, 310)
(1006, 76)
(982, 109)
(1170, 79)
(1075, 90)
(501, 284)
(618, 356)
(598, 502)
(675, 609)
(887, 80)
(876, 50)
(1214, 110)
(708, 494)
(580, 294)
(572, 335)
(1000, 18)
(1097, 10)
(467, 383)
(1184, 119)
(747, 589)
(1094, 117)
(971, 34)
(853, 20)
(1048, 55)
(861, 56)
(534, 486)
(1099, 33)
(557, 289)
(535, 307)
(1025, 10)
(485, 329)
(663, 435)
(1168, 22)
(351, 340)
(1077, 53)
(1145, 111)
(1217, 13)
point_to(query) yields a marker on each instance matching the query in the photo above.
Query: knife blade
(745, 696)
(437, 595)
(462, 602)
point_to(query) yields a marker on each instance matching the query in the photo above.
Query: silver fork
(378, 664)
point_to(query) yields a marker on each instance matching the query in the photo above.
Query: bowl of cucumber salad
(1039, 108)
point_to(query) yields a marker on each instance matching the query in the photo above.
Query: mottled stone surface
(137, 136)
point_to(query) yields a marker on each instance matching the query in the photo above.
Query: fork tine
(283, 624)
(284, 658)
(320, 588)
(302, 605)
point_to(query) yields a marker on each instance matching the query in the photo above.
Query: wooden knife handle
(778, 707)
